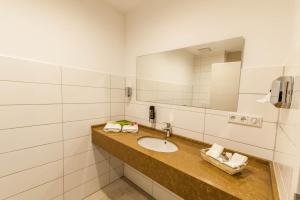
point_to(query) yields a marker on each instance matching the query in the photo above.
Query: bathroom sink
(157, 144)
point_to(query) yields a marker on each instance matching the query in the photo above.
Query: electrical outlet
(244, 119)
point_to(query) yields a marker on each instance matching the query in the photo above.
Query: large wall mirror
(206, 75)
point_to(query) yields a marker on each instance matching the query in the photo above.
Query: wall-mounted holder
(282, 92)
(128, 91)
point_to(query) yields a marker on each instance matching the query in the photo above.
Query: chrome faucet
(167, 129)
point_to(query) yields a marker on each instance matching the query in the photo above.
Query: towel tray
(220, 165)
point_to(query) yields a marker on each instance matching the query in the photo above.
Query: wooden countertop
(184, 172)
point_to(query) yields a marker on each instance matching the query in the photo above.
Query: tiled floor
(121, 189)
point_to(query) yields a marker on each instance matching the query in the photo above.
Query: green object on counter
(122, 122)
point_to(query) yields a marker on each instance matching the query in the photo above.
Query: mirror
(206, 76)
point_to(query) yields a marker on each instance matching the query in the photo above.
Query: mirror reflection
(205, 75)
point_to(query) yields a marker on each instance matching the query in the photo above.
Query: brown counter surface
(184, 172)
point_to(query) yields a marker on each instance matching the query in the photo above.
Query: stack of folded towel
(112, 127)
(234, 161)
(119, 126)
(215, 151)
(130, 128)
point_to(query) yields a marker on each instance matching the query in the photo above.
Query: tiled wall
(286, 157)
(46, 113)
(211, 125)
(148, 185)
(202, 78)
(164, 92)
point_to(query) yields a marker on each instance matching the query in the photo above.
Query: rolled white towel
(236, 160)
(111, 127)
(215, 151)
(130, 128)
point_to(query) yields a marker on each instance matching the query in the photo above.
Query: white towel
(130, 128)
(111, 127)
(215, 151)
(237, 160)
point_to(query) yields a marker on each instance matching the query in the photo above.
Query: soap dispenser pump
(152, 114)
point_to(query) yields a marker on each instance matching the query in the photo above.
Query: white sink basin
(157, 144)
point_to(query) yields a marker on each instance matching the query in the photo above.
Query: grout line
(52, 180)
(74, 138)
(62, 128)
(19, 127)
(87, 86)
(88, 182)
(204, 125)
(276, 135)
(97, 102)
(88, 119)
(30, 82)
(168, 106)
(36, 166)
(286, 134)
(87, 166)
(110, 79)
(56, 197)
(83, 152)
(31, 147)
(85, 119)
(31, 104)
(239, 142)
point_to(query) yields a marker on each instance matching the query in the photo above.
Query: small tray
(220, 165)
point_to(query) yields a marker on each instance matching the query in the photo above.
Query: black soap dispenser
(152, 114)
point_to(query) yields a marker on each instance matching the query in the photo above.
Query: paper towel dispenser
(282, 91)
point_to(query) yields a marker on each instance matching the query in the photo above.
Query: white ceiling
(125, 5)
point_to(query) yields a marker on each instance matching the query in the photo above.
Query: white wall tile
(289, 121)
(137, 110)
(187, 133)
(161, 193)
(61, 197)
(218, 126)
(77, 145)
(83, 160)
(87, 188)
(19, 138)
(29, 93)
(247, 104)
(117, 82)
(72, 76)
(76, 94)
(117, 118)
(189, 120)
(80, 128)
(28, 179)
(24, 159)
(116, 173)
(28, 71)
(47, 191)
(138, 178)
(259, 80)
(117, 95)
(115, 162)
(74, 112)
(243, 148)
(87, 174)
(28, 115)
(117, 109)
